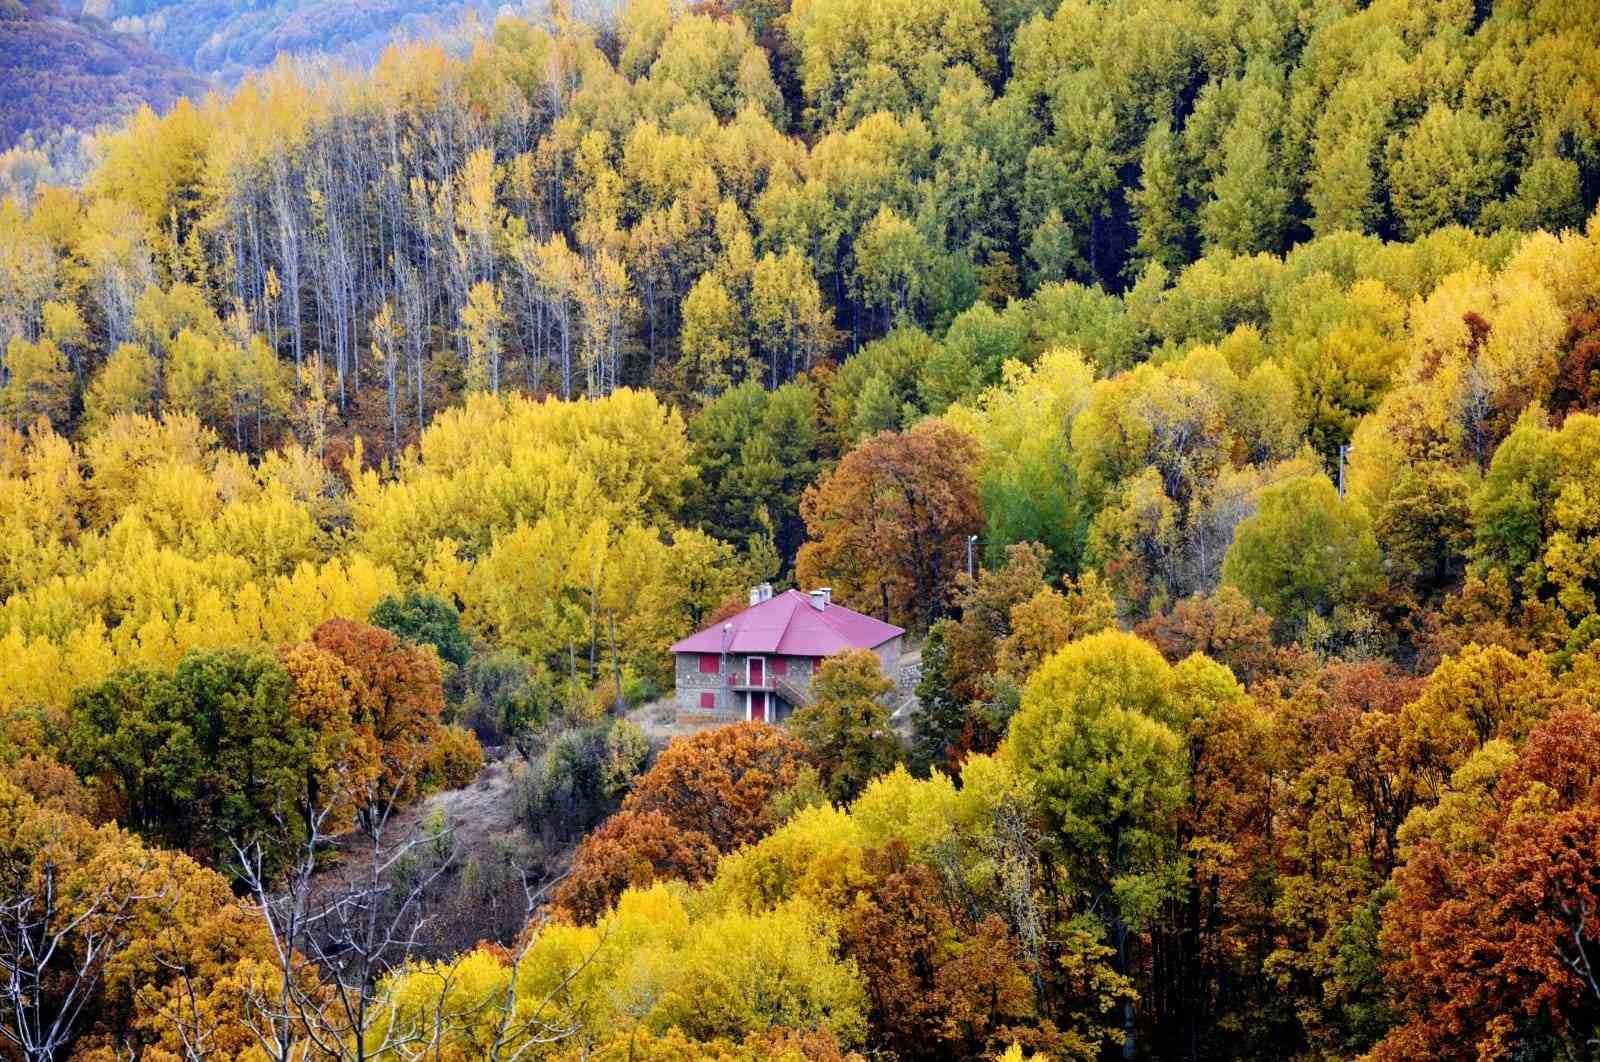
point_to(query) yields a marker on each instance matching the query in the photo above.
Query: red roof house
(758, 664)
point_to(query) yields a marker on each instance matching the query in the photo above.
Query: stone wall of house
(691, 683)
(728, 704)
(889, 653)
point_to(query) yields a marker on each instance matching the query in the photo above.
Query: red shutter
(709, 664)
(708, 700)
(780, 666)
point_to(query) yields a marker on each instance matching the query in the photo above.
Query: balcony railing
(767, 681)
(782, 685)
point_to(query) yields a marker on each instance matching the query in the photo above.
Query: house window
(780, 666)
(708, 700)
(710, 664)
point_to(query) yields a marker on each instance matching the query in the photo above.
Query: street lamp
(971, 541)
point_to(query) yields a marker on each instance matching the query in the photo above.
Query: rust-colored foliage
(938, 988)
(706, 795)
(1494, 931)
(632, 848)
(1210, 939)
(888, 528)
(1343, 795)
(1223, 625)
(397, 699)
(718, 783)
(1340, 734)
(1577, 386)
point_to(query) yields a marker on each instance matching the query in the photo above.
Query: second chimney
(820, 598)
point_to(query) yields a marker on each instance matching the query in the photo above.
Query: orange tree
(888, 528)
(398, 698)
(706, 795)
(632, 849)
(718, 783)
(939, 984)
(108, 947)
(1494, 930)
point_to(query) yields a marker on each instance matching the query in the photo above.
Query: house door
(758, 707)
(758, 671)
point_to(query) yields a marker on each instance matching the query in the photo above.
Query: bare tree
(54, 944)
(337, 943)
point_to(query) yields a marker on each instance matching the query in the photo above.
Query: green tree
(893, 259)
(878, 389)
(1343, 185)
(1053, 251)
(1445, 169)
(846, 726)
(941, 717)
(1157, 203)
(1095, 735)
(1249, 203)
(200, 758)
(755, 452)
(1305, 552)
(425, 619)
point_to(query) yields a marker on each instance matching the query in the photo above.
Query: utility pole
(971, 541)
(1344, 452)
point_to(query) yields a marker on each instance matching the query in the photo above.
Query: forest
(1210, 388)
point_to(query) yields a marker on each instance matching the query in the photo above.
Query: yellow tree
(608, 308)
(37, 383)
(480, 324)
(714, 340)
(788, 315)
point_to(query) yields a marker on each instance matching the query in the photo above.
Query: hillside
(60, 69)
(1208, 389)
(227, 40)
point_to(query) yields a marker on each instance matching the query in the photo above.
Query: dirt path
(479, 895)
(658, 720)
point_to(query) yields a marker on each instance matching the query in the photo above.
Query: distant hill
(59, 68)
(227, 38)
(80, 63)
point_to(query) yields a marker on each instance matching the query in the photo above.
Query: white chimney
(760, 593)
(820, 598)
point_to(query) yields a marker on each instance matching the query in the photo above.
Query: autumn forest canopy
(1210, 388)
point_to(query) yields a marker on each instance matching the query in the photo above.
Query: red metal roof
(788, 625)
